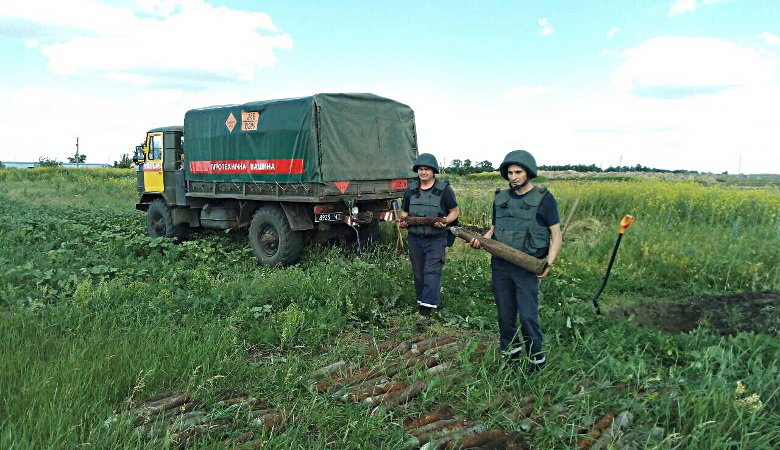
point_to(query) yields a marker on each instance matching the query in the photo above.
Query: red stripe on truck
(239, 166)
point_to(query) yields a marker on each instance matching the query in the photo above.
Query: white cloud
(682, 7)
(545, 29)
(770, 38)
(521, 93)
(671, 65)
(612, 32)
(156, 40)
(686, 6)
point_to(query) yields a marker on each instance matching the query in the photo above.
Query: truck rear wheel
(159, 221)
(272, 240)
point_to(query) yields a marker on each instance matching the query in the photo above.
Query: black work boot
(425, 311)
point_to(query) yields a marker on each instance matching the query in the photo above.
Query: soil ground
(757, 312)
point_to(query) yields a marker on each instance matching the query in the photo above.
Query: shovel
(624, 224)
(399, 244)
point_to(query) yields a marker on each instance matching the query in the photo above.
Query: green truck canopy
(316, 139)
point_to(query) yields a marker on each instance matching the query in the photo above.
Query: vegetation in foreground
(94, 314)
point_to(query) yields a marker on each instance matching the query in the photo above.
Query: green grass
(93, 314)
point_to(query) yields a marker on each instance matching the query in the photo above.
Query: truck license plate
(329, 217)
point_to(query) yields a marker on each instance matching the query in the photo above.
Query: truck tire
(159, 221)
(272, 240)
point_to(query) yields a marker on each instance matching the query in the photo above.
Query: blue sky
(678, 84)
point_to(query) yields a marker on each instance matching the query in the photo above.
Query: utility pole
(77, 152)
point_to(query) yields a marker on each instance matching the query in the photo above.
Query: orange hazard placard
(230, 123)
(341, 186)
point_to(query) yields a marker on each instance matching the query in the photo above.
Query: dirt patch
(757, 312)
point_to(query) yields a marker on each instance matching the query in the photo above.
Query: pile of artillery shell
(183, 421)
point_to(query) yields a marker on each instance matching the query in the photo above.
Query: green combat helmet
(427, 160)
(521, 158)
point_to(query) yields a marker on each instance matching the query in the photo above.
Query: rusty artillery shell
(148, 411)
(513, 441)
(444, 427)
(383, 347)
(381, 389)
(445, 438)
(425, 221)
(445, 412)
(437, 426)
(503, 251)
(401, 397)
(269, 421)
(475, 440)
(422, 347)
(528, 406)
(329, 370)
(439, 368)
(375, 400)
(343, 393)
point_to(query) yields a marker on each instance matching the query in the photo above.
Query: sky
(669, 84)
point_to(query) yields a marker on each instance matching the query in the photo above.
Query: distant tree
(45, 161)
(80, 159)
(124, 163)
(485, 166)
(2, 166)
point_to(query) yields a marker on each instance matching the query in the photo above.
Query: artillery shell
(436, 426)
(406, 395)
(444, 412)
(475, 440)
(441, 441)
(513, 441)
(328, 370)
(439, 368)
(424, 221)
(383, 347)
(444, 428)
(359, 395)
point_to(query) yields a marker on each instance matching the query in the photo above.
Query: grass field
(96, 317)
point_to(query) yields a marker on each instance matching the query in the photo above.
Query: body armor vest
(516, 223)
(424, 203)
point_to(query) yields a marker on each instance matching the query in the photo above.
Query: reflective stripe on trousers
(427, 257)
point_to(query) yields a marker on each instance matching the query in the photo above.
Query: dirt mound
(757, 312)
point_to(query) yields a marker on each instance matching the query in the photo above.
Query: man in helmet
(428, 197)
(526, 218)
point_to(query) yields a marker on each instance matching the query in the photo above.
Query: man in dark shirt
(526, 218)
(428, 197)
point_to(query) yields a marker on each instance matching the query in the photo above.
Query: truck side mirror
(139, 156)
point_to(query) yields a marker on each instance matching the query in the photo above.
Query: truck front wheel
(159, 221)
(272, 240)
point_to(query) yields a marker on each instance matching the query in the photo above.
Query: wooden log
(503, 251)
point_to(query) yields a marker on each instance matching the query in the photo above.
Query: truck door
(153, 166)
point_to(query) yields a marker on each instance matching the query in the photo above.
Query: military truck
(290, 171)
